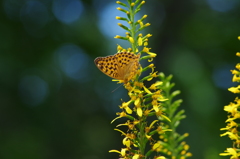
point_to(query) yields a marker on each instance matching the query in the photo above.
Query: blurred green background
(56, 104)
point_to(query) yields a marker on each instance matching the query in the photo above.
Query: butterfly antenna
(116, 88)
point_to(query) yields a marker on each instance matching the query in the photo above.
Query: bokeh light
(222, 76)
(222, 5)
(67, 11)
(33, 90)
(73, 62)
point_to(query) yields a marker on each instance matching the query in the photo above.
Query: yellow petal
(120, 131)
(136, 156)
(131, 40)
(114, 151)
(161, 157)
(147, 90)
(139, 112)
(155, 107)
(123, 152)
(115, 119)
(156, 145)
(128, 110)
(126, 142)
(148, 136)
(140, 42)
(166, 117)
(153, 123)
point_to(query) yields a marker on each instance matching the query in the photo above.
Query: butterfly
(122, 66)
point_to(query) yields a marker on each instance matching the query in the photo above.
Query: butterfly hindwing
(128, 64)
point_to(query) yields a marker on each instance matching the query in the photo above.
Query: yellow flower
(121, 132)
(136, 156)
(237, 115)
(189, 154)
(155, 85)
(131, 39)
(122, 114)
(230, 135)
(127, 142)
(139, 111)
(155, 105)
(147, 24)
(123, 152)
(119, 48)
(145, 49)
(117, 37)
(151, 125)
(119, 8)
(140, 41)
(237, 100)
(114, 151)
(125, 106)
(140, 23)
(156, 145)
(152, 75)
(183, 152)
(235, 78)
(137, 102)
(138, 84)
(231, 108)
(235, 72)
(144, 17)
(160, 157)
(238, 66)
(146, 112)
(234, 89)
(158, 96)
(145, 43)
(130, 125)
(149, 35)
(230, 151)
(147, 90)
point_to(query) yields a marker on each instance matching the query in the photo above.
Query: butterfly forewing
(121, 66)
(107, 65)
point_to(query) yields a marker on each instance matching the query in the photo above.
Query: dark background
(56, 104)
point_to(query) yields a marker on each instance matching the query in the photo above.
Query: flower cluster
(144, 103)
(134, 27)
(149, 127)
(172, 144)
(233, 118)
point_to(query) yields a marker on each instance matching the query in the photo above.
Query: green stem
(142, 137)
(133, 28)
(172, 142)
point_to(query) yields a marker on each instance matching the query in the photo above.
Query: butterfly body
(122, 66)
